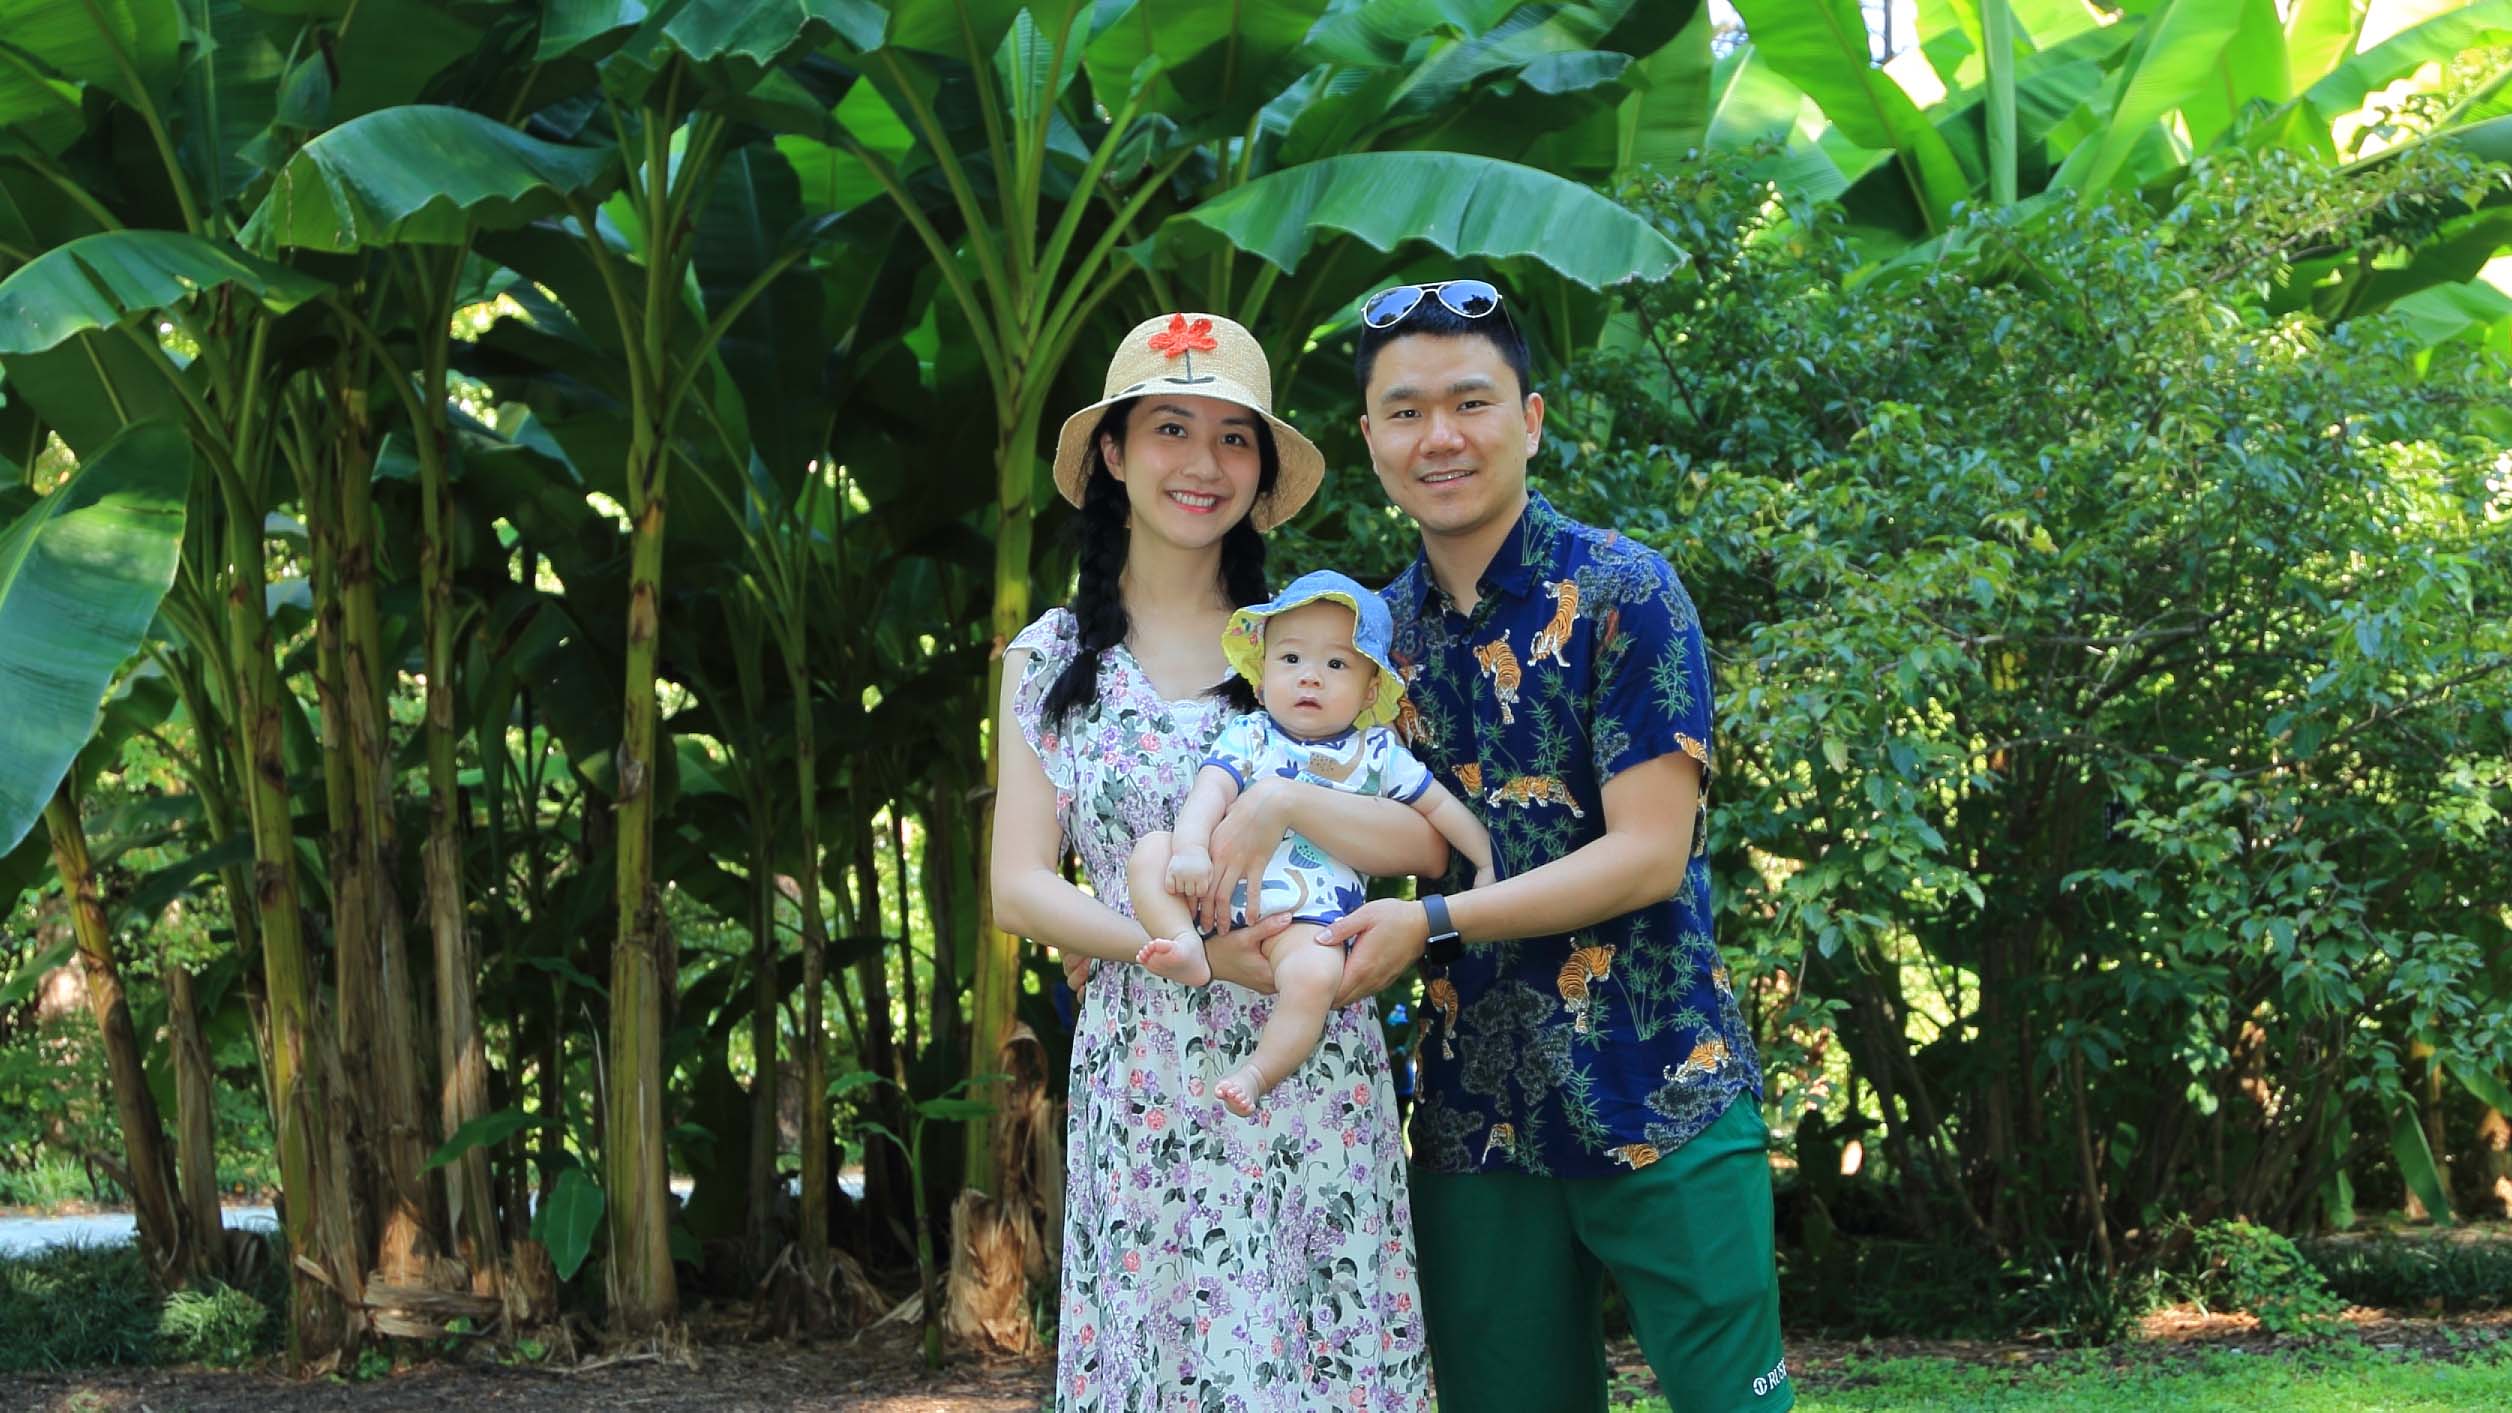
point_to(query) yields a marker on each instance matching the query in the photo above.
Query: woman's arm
(1031, 897)
(1370, 833)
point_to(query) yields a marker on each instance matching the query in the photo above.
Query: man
(1590, 1096)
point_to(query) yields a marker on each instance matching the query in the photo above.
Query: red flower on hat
(1182, 337)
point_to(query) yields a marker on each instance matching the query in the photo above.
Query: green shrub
(2415, 1273)
(76, 1306)
(51, 1181)
(220, 1326)
(2250, 1268)
(70, 1307)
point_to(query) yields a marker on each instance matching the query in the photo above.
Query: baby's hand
(1189, 870)
(1484, 877)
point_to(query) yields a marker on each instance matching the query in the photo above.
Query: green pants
(1513, 1279)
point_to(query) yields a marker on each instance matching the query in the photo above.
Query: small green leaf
(490, 1128)
(849, 1083)
(567, 1223)
(2416, 1161)
(2489, 1088)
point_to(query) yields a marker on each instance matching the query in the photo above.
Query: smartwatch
(1445, 946)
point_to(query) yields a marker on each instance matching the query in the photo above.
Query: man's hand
(1386, 936)
(1242, 844)
(1076, 973)
(1189, 870)
(1239, 954)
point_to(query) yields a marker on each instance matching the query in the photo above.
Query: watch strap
(1445, 946)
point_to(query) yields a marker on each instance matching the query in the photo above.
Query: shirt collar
(1509, 572)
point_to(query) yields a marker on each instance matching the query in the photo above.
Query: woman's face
(1190, 467)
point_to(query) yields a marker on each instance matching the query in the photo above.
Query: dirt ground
(881, 1373)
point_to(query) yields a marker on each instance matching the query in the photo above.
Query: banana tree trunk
(389, 1089)
(164, 1240)
(997, 973)
(815, 960)
(461, 1051)
(642, 1293)
(318, 1318)
(356, 999)
(761, 1221)
(195, 1121)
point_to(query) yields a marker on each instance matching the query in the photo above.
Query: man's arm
(1640, 859)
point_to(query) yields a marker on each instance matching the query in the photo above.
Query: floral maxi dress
(1210, 1262)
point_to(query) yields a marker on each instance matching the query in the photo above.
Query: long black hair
(1098, 601)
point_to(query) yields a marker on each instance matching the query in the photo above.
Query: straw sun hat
(1196, 355)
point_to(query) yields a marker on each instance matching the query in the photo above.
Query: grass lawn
(2336, 1377)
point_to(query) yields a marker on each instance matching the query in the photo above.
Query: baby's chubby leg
(1176, 949)
(1305, 979)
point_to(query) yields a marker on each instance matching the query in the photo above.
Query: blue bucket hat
(1373, 632)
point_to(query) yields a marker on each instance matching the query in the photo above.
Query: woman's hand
(1242, 844)
(1239, 955)
(1076, 972)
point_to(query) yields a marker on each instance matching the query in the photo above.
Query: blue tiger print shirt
(1603, 1050)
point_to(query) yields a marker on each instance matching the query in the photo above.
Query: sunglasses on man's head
(1467, 299)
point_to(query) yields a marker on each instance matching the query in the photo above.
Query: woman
(1263, 1265)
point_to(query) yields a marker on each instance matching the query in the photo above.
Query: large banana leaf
(234, 92)
(1670, 115)
(97, 281)
(1377, 33)
(80, 577)
(1821, 47)
(2436, 41)
(421, 174)
(1203, 64)
(392, 51)
(1464, 205)
(2177, 53)
(129, 48)
(2320, 34)
(959, 29)
(2251, 66)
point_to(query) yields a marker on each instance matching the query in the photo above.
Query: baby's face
(1316, 682)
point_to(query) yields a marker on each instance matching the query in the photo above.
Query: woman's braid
(1098, 603)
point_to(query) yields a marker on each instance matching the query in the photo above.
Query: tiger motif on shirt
(1501, 666)
(1470, 775)
(1408, 722)
(1586, 965)
(1555, 635)
(1704, 1060)
(1443, 999)
(1503, 1137)
(1528, 791)
(1636, 1156)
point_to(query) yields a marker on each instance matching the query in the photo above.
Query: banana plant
(421, 180)
(2018, 100)
(81, 575)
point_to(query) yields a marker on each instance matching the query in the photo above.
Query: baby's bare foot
(1177, 958)
(1241, 1088)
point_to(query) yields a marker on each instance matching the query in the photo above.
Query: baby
(1318, 656)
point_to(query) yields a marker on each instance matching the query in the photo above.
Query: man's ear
(1534, 422)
